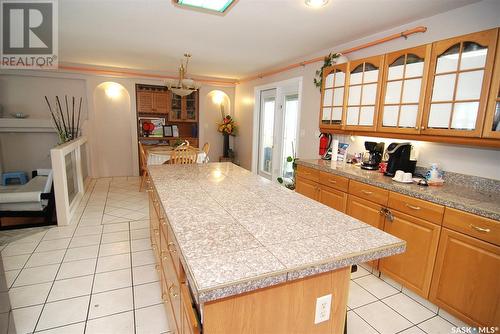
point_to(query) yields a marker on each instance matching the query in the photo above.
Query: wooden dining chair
(206, 149)
(144, 165)
(184, 155)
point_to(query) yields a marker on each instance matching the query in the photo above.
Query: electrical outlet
(323, 306)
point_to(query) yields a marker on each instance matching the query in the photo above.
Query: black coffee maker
(372, 158)
(399, 159)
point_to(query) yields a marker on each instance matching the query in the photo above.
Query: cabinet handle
(157, 232)
(172, 292)
(422, 128)
(366, 192)
(480, 229)
(171, 247)
(164, 297)
(157, 267)
(416, 128)
(306, 173)
(412, 207)
(332, 181)
(162, 221)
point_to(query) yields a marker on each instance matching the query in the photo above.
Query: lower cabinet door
(412, 268)
(168, 307)
(307, 188)
(368, 212)
(466, 279)
(335, 199)
(190, 323)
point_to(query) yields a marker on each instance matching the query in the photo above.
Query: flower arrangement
(228, 126)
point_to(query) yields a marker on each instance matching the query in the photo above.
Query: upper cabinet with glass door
(403, 90)
(363, 93)
(459, 80)
(332, 96)
(492, 121)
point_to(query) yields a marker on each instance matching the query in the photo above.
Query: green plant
(330, 60)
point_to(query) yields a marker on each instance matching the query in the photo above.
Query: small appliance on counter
(399, 159)
(372, 158)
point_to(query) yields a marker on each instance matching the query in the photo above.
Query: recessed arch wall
(112, 130)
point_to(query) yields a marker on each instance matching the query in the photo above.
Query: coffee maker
(373, 156)
(399, 159)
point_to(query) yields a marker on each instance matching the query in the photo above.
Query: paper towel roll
(335, 149)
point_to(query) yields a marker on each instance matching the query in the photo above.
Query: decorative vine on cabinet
(459, 84)
(403, 89)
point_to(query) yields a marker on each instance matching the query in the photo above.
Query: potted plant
(227, 127)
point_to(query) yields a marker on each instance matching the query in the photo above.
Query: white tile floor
(98, 276)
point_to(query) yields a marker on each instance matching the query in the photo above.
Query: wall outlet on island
(323, 306)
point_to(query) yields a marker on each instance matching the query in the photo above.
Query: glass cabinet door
(191, 106)
(492, 121)
(363, 93)
(176, 110)
(403, 89)
(332, 96)
(460, 78)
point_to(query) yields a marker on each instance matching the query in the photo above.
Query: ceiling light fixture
(316, 3)
(217, 6)
(184, 86)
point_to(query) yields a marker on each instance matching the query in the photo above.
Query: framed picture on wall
(167, 131)
(175, 131)
(151, 126)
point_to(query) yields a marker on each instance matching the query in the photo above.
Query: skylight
(219, 6)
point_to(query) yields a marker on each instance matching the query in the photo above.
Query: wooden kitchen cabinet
(335, 199)
(412, 268)
(368, 212)
(492, 120)
(184, 108)
(152, 100)
(333, 96)
(403, 90)
(363, 93)
(465, 280)
(458, 85)
(307, 188)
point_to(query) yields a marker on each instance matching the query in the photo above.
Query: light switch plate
(323, 306)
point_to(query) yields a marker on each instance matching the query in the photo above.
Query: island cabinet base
(286, 308)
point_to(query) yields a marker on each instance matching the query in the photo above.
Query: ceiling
(254, 35)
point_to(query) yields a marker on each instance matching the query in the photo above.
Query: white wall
(103, 137)
(476, 17)
(29, 151)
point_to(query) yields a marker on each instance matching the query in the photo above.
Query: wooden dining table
(159, 154)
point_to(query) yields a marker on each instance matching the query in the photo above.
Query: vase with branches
(66, 120)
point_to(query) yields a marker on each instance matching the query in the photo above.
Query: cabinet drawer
(308, 173)
(476, 226)
(174, 253)
(371, 193)
(307, 188)
(335, 181)
(416, 207)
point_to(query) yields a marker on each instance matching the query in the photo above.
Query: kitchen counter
(239, 232)
(461, 197)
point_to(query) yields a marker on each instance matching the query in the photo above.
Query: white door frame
(282, 88)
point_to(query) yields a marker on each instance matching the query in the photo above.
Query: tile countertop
(239, 232)
(486, 204)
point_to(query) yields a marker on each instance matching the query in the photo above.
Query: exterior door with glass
(267, 122)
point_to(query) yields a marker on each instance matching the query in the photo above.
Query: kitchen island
(238, 253)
